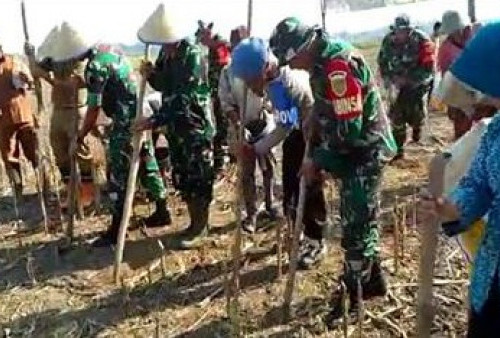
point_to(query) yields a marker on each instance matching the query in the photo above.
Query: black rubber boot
(161, 216)
(416, 134)
(373, 284)
(343, 304)
(198, 229)
(399, 156)
(376, 285)
(110, 236)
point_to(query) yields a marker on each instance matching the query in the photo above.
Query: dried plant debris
(48, 288)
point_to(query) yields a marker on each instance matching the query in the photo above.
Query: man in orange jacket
(17, 123)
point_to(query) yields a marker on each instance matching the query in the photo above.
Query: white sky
(119, 20)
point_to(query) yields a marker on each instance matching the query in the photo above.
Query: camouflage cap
(290, 37)
(402, 21)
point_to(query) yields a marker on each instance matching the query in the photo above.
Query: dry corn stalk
(345, 314)
(233, 296)
(132, 176)
(279, 248)
(297, 230)
(395, 214)
(403, 229)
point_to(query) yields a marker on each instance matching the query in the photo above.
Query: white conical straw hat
(70, 43)
(160, 28)
(46, 49)
(63, 43)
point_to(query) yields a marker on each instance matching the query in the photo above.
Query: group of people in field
(302, 88)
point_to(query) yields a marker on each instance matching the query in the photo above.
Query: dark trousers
(486, 323)
(314, 208)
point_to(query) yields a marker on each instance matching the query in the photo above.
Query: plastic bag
(461, 155)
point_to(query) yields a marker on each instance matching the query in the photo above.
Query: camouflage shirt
(351, 122)
(111, 85)
(412, 60)
(181, 79)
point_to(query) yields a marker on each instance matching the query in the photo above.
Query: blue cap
(478, 65)
(249, 58)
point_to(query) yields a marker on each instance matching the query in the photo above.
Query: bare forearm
(89, 122)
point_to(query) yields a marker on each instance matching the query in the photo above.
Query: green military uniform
(111, 85)
(215, 65)
(408, 66)
(186, 112)
(352, 137)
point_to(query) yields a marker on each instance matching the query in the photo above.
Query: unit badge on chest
(343, 90)
(338, 82)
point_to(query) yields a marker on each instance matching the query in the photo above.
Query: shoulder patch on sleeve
(343, 90)
(427, 53)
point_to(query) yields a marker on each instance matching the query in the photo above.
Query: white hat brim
(159, 28)
(63, 43)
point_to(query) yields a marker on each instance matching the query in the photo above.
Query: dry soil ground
(47, 290)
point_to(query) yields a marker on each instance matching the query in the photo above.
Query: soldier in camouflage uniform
(111, 86)
(350, 137)
(186, 112)
(406, 61)
(218, 58)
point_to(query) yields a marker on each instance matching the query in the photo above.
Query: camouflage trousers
(359, 178)
(409, 108)
(221, 142)
(192, 166)
(249, 167)
(359, 207)
(120, 151)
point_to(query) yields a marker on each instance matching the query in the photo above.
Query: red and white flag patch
(343, 90)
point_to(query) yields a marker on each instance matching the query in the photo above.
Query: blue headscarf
(478, 65)
(249, 58)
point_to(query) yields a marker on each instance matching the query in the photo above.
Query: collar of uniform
(329, 48)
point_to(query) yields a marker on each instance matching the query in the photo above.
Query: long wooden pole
(132, 177)
(40, 173)
(471, 4)
(429, 240)
(233, 299)
(297, 231)
(323, 14)
(74, 185)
